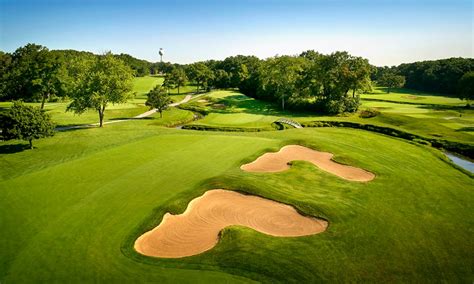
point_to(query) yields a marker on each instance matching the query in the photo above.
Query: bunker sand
(197, 229)
(277, 162)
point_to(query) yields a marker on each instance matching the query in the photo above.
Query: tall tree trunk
(44, 100)
(101, 116)
(161, 114)
(353, 93)
(31, 143)
(283, 102)
(178, 89)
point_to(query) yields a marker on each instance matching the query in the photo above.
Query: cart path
(145, 114)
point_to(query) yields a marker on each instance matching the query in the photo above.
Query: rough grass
(70, 209)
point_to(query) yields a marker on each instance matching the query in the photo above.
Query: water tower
(161, 52)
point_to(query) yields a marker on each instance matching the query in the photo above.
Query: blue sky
(387, 32)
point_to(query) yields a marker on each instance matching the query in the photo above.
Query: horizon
(386, 32)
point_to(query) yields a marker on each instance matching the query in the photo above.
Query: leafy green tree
(329, 78)
(106, 80)
(466, 87)
(311, 55)
(26, 123)
(201, 74)
(5, 61)
(391, 81)
(439, 76)
(158, 99)
(176, 78)
(359, 75)
(75, 68)
(140, 67)
(33, 74)
(221, 79)
(281, 76)
(167, 85)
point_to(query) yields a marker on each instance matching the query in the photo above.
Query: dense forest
(435, 76)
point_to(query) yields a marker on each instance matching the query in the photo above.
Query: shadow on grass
(255, 106)
(13, 148)
(445, 107)
(466, 129)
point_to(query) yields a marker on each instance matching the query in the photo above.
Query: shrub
(368, 113)
(26, 123)
(351, 104)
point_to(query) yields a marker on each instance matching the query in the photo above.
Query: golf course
(211, 141)
(73, 207)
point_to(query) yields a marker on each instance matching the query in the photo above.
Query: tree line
(436, 76)
(327, 83)
(310, 81)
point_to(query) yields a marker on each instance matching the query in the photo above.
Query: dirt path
(197, 229)
(277, 162)
(145, 114)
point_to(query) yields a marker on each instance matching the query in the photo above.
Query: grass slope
(70, 210)
(401, 95)
(443, 121)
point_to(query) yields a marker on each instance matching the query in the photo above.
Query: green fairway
(412, 97)
(222, 142)
(142, 85)
(71, 209)
(232, 109)
(172, 117)
(63, 118)
(133, 107)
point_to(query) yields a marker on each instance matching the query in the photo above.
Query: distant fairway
(451, 122)
(142, 85)
(411, 96)
(135, 106)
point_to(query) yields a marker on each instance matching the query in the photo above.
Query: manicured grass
(436, 122)
(412, 96)
(233, 109)
(243, 120)
(63, 118)
(172, 117)
(133, 107)
(183, 90)
(451, 124)
(70, 209)
(142, 85)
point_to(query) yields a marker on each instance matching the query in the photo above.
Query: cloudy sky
(387, 32)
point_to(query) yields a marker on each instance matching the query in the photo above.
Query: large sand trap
(197, 229)
(277, 162)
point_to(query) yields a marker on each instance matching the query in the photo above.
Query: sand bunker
(277, 162)
(197, 229)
